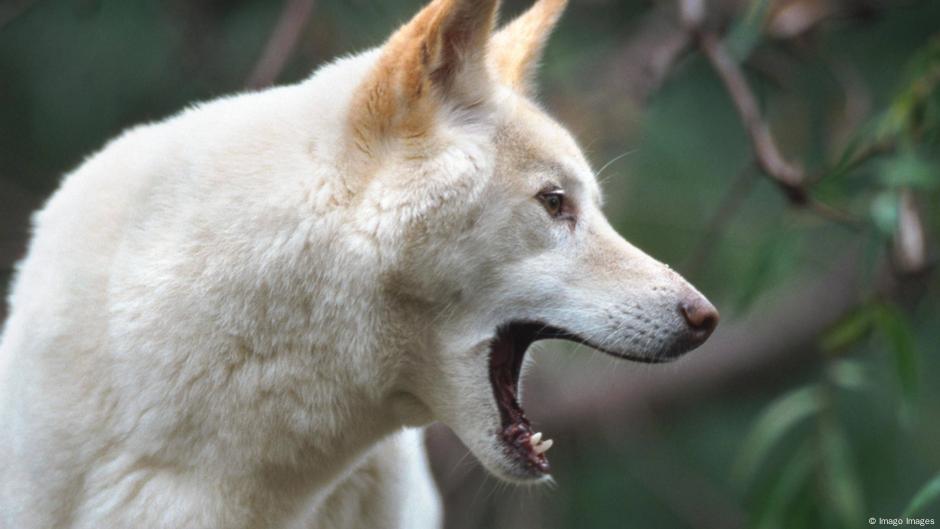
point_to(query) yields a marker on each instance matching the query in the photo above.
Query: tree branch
(791, 179)
(726, 210)
(787, 176)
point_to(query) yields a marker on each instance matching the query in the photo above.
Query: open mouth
(507, 351)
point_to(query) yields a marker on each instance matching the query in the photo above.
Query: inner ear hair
(518, 47)
(435, 60)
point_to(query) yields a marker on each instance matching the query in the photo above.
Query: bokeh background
(815, 405)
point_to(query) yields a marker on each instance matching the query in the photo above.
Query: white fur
(214, 328)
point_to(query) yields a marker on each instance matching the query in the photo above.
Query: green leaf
(840, 480)
(848, 374)
(896, 329)
(930, 493)
(884, 212)
(849, 330)
(788, 484)
(908, 169)
(780, 416)
(895, 120)
(910, 105)
(861, 141)
(747, 31)
(773, 257)
(872, 257)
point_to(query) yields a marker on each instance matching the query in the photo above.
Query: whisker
(597, 175)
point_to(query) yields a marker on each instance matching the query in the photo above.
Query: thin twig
(280, 46)
(791, 179)
(643, 64)
(864, 154)
(13, 10)
(833, 214)
(729, 205)
(787, 176)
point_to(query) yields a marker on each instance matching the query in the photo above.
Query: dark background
(816, 402)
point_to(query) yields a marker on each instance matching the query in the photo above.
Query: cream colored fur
(226, 319)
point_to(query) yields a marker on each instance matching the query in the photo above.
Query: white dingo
(226, 319)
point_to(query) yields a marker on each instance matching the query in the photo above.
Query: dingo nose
(700, 314)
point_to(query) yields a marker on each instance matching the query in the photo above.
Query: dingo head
(495, 217)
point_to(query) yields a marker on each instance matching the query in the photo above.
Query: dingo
(225, 317)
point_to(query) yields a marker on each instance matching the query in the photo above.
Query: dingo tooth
(543, 447)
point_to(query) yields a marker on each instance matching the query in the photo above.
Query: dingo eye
(553, 201)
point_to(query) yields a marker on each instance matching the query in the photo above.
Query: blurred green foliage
(853, 434)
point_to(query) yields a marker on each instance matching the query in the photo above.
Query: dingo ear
(437, 58)
(517, 48)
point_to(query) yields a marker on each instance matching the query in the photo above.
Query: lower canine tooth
(543, 447)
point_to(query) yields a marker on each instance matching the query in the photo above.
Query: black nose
(700, 314)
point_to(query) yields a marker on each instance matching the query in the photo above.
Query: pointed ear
(517, 48)
(437, 58)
